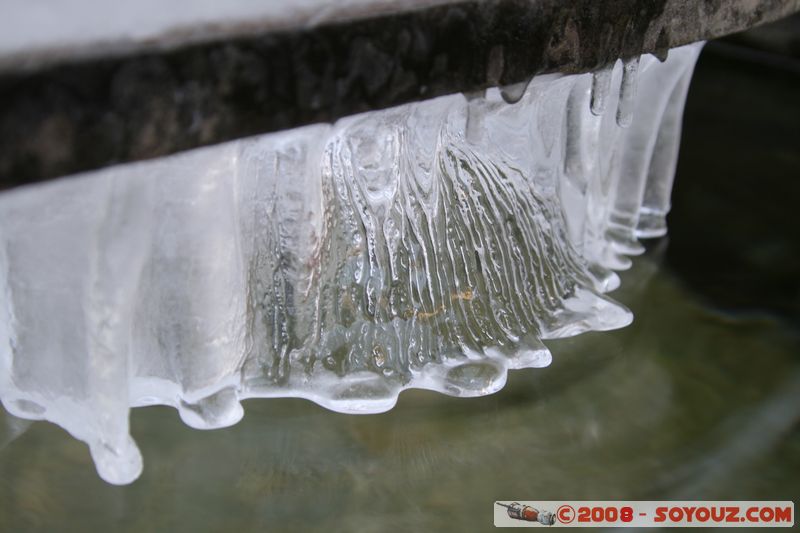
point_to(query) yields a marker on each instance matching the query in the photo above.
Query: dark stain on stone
(74, 117)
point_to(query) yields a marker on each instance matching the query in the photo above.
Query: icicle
(656, 203)
(512, 94)
(432, 245)
(650, 144)
(601, 87)
(495, 65)
(474, 125)
(627, 92)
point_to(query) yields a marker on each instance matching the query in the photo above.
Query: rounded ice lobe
(432, 245)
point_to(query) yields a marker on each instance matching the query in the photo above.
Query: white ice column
(69, 272)
(189, 327)
(433, 245)
(662, 92)
(656, 202)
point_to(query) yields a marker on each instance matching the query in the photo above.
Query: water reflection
(685, 403)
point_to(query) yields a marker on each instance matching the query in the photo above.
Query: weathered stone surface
(72, 117)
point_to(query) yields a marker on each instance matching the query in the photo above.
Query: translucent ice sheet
(433, 245)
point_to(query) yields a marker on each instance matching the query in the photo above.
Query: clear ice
(432, 245)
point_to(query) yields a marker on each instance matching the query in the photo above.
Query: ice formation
(432, 245)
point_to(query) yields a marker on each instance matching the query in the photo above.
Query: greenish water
(686, 403)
